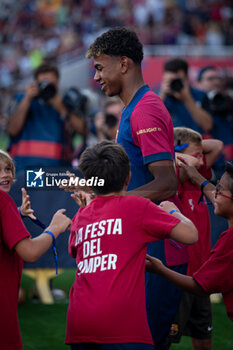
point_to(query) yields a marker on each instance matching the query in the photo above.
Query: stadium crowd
(60, 29)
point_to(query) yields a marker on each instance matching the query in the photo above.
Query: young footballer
(145, 132)
(109, 239)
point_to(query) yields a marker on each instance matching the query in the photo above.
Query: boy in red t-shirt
(194, 316)
(215, 275)
(109, 239)
(17, 245)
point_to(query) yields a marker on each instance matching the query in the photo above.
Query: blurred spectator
(31, 29)
(40, 122)
(106, 122)
(220, 105)
(183, 102)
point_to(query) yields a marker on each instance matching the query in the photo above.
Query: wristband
(204, 183)
(54, 249)
(19, 209)
(173, 211)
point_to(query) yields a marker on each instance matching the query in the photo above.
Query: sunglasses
(218, 192)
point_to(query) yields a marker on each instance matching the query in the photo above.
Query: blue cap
(203, 70)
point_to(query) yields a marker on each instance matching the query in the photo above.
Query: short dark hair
(229, 171)
(106, 160)
(203, 70)
(46, 68)
(176, 64)
(118, 41)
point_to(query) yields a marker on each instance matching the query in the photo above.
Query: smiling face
(108, 74)
(6, 176)
(195, 150)
(223, 204)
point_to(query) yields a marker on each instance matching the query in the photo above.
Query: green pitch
(43, 326)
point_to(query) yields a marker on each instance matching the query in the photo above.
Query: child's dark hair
(175, 65)
(229, 171)
(46, 68)
(108, 161)
(118, 41)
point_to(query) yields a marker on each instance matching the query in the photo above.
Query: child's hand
(188, 164)
(153, 265)
(25, 208)
(182, 158)
(168, 206)
(59, 223)
(82, 198)
(74, 187)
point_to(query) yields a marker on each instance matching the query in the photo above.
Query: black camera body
(47, 90)
(110, 120)
(176, 85)
(75, 101)
(219, 103)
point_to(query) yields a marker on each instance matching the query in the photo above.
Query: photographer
(219, 104)
(39, 123)
(106, 122)
(183, 102)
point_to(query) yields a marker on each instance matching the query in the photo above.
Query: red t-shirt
(216, 275)
(109, 240)
(189, 195)
(12, 230)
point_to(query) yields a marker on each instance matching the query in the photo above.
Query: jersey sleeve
(12, 227)
(215, 276)
(150, 133)
(157, 224)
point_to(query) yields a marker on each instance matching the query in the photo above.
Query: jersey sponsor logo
(145, 131)
(89, 239)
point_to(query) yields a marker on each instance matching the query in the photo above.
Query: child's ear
(127, 180)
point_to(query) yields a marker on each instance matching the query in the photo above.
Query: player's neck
(130, 88)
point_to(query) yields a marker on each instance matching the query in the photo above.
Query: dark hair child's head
(108, 161)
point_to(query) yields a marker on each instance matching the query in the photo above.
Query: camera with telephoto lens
(75, 101)
(219, 103)
(47, 90)
(176, 85)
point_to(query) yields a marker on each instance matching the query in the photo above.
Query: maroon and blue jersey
(146, 133)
